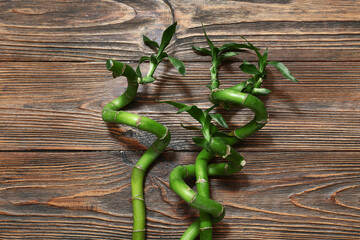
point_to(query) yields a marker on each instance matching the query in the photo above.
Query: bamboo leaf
(284, 70)
(233, 46)
(189, 127)
(200, 141)
(138, 72)
(195, 112)
(211, 45)
(178, 64)
(166, 37)
(150, 43)
(247, 67)
(162, 56)
(201, 50)
(143, 59)
(219, 119)
(175, 104)
(153, 59)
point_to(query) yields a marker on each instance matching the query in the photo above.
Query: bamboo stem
(111, 113)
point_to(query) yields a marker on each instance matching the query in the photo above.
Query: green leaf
(219, 119)
(195, 112)
(211, 45)
(284, 70)
(200, 141)
(227, 55)
(190, 127)
(178, 64)
(260, 91)
(233, 46)
(143, 59)
(150, 43)
(247, 67)
(175, 104)
(201, 50)
(153, 59)
(138, 72)
(206, 112)
(162, 56)
(166, 37)
(260, 57)
(264, 58)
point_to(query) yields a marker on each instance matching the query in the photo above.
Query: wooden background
(65, 174)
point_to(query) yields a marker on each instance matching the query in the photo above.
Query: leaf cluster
(160, 54)
(205, 118)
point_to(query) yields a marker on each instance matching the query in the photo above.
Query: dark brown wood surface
(65, 174)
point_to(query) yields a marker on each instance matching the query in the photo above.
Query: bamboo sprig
(111, 113)
(216, 142)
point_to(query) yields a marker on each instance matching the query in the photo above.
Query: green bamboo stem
(111, 113)
(221, 147)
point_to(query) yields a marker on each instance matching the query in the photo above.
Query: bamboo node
(113, 104)
(127, 96)
(243, 163)
(228, 151)
(262, 121)
(226, 167)
(222, 210)
(204, 228)
(193, 198)
(245, 99)
(139, 230)
(165, 135)
(155, 149)
(138, 122)
(138, 198)
(139, 167)
(238, 137)
(116, 115)
(187, 173)
(201, 180)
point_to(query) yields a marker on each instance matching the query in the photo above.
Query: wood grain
(86, 195)
(65, 174)
(57, 106)
(97, 30)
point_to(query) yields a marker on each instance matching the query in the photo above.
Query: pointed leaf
(211, 45)
(233, 46)
(260, 57)
(143, 59)
(201, 50)
(195, 112)
(162, 56)
(189, 127)
(219, 119)
(153, 59)
(138, 72)
(166, 37)
(178, 64)
(150, 43)
(175, 104)
(247, 67)
(264, 58)
(227, 55)
(284, 70)
(200, 141)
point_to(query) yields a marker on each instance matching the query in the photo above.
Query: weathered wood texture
(86, 195)
(96, 30)
(57, 106)
(65, 174)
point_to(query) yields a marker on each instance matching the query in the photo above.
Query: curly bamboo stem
(111, 113)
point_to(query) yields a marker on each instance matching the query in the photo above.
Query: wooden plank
(96, 30)
(53, 106)
(86, 195)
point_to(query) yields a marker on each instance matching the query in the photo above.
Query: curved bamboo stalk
(111, 113)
